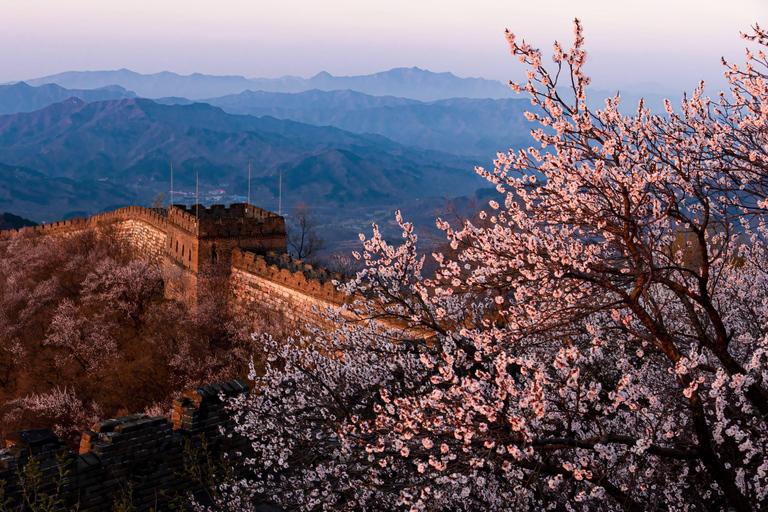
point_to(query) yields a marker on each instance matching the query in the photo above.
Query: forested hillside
(86, 333)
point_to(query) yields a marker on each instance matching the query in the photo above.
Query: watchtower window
(190, 255)
(177, 246)
(182, 251)
(214, 256)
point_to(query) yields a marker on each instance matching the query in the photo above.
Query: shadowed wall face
(136, 452)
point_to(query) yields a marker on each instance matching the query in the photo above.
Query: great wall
(180, 241)
(144, 454)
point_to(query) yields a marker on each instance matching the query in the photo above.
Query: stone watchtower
(197, 236)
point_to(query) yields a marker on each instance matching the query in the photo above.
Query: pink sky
(673, 42)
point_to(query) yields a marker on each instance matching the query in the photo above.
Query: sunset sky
(674, 42)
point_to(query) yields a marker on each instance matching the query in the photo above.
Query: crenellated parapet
(292, 274)
(181, 240)
(198, 236)
(135, 456)
(239, 220)
(152, 217)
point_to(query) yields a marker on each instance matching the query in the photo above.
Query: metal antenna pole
(197, 195)
(280, 201)
(249, 183)
(171, 188)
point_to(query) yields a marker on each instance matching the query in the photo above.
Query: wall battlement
(220, 211)
(300, 293)
(295, 275)
(218, 221)
(137, 453)
(180, 240)
(135, 213)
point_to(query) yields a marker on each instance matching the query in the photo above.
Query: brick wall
(186, 238)
(145, 455)
(278, 283)
(146, 239)
(142, 229)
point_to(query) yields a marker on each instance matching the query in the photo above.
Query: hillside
(42, 198)
(11, 221)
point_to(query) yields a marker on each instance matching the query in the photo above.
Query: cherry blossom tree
(599, 341)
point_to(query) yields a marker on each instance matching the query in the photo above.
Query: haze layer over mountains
(413, 83)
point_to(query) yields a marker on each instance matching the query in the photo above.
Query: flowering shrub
(86, 334)
(598, 342)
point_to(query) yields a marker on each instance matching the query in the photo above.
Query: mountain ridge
(414, 83)
(462, 126)
(23, 97)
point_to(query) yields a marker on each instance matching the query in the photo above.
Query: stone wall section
(137, 453)
(146, 240)
(278, 283)
(299, 291)
(143, 229)
(135, 213)
(180, 240)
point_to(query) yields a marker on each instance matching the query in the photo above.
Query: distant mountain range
(471, 127)
(22, 97)
(352, 147)
(411, 83)
(120, 150)
(463, 126)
